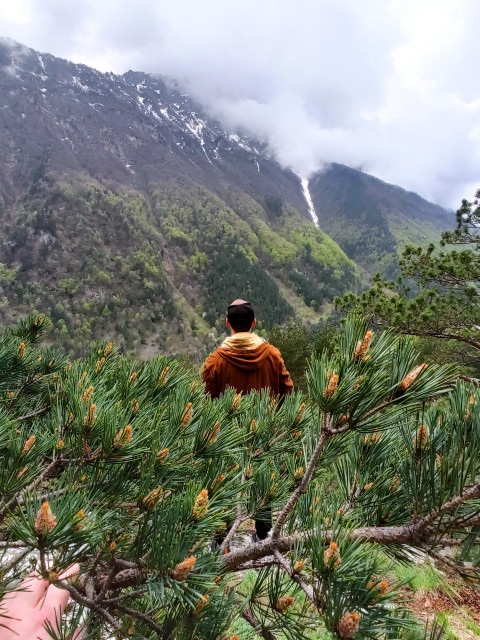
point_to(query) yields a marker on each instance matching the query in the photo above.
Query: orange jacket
(246, 370)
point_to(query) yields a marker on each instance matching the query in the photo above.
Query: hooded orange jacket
(260, 366)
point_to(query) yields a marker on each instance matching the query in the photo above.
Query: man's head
(240, 316)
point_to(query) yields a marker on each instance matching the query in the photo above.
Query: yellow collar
(243, 340)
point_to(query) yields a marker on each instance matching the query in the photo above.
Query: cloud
(386, 85)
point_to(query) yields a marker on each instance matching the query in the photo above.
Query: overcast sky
(389, 86)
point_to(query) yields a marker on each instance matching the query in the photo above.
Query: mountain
(127, 211)
(371, 220)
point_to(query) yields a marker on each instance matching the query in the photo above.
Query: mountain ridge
(128, 211)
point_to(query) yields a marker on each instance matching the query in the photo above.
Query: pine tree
(128, 469)
(444, 301)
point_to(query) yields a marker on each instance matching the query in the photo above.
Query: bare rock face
(132, 129)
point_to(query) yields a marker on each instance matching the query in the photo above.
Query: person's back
(246, 362)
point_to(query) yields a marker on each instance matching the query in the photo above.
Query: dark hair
(241, 316)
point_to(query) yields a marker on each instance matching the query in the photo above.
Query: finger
(29, 593)
(70, 571)
(55, 599)
(52, 607)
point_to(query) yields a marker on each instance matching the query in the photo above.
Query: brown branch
(34, 414)
(469, 494)
(440, 335)
(140, 616)
(16, 558)
(139, 593)
(292, 501)
(31, 486)
(257, 625)
(472, 520)
(238, 521)
(461, 568)
(400, 534)
(88, 602)
(470, 380)
(416, 532)
(307, 588)
(235, 526)
(268, 561)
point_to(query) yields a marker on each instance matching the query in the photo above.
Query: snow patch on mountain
(308, 198)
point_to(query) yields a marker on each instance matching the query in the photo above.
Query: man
(246, 362)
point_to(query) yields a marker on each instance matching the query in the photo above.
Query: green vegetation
(156, 272)
(444, 304)
(140, 472)
(298, 345)
(373, 221)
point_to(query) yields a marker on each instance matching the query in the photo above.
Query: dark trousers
(262, 526)
(264, 523)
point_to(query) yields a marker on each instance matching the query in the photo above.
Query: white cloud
(388, 85)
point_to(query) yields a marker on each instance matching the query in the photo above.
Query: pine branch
(415, 532)
(235, 526)
(459, 567)
(20, 497)
(308, 589)
(469, 494)
(140, 616)
(238, 521)
(89, 603)
(34, 414)
(304, 482)
(16, 558)
(443, 336)
(257, 625)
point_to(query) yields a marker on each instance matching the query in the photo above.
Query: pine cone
(161, 455)
(28, 444)
(202, 603)
(298, 566)
(153, 498)
(186, 415)
(235, 403)
(45, 520)
(300, 414)
(283, 604)
(330, 554)
(348, 625)
(162, 378)
(200, 505)
(182, 569)
(331, 386)
(409, 380)
(123, 437)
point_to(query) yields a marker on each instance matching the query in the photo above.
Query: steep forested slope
(371, 220)
(160, 269)
(127, 211)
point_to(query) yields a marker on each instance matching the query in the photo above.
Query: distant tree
(445, 303)
(293, 341)
(298, 345)
(274, 204)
